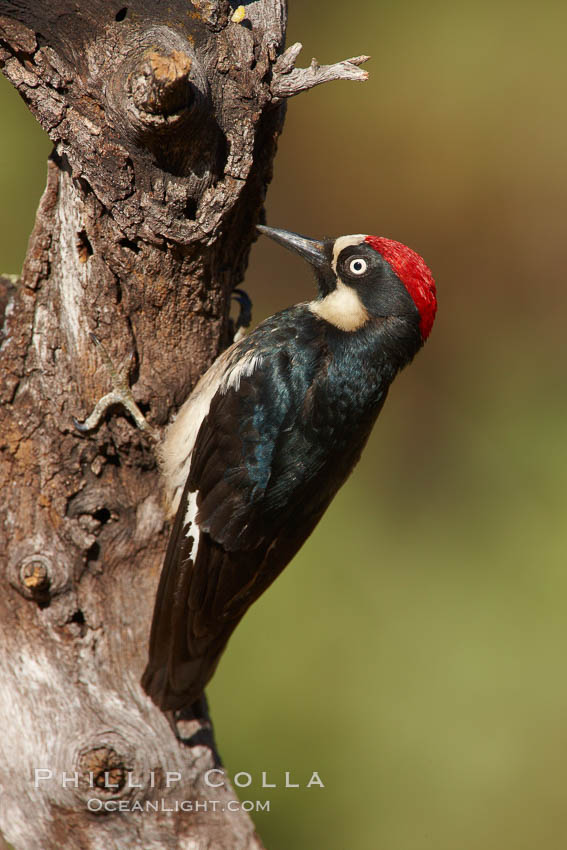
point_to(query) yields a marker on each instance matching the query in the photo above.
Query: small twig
(288, 80)
(120, 394)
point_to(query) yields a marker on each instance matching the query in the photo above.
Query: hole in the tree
(191, 209)
(110, 456)
(84, 247)
(78, 623)
(121, 14)
(102, 515)
(83, 185)
(93, 552)
(128, 243)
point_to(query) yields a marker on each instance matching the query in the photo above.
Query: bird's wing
(235, 528)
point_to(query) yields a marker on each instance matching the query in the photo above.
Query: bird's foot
(191, 725)
(244, 318)
(120, 394)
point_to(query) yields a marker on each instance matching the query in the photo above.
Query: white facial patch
(342, 308)
(345, 242)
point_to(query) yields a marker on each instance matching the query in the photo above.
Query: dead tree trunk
(164, 118)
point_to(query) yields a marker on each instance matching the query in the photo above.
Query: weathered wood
(164, 128)
(287, 80)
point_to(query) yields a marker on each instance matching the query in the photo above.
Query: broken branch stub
(160, 86)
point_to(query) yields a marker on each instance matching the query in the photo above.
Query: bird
(266, 439)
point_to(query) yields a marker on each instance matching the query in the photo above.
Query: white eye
(357, 266)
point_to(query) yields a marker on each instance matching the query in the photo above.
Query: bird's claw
(244, 317)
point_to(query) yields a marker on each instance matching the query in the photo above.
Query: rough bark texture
(164, 128)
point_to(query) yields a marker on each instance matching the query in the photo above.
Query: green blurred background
(413, 654)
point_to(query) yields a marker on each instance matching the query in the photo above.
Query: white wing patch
(243, 368)
(180, 436)
(191, 521)
(226, 373)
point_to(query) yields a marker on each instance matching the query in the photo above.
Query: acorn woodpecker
(267, 437)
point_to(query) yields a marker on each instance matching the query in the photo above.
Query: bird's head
(363, 277)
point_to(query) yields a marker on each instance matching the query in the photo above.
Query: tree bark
(164, 119)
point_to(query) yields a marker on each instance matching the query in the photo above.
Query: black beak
(312, 250)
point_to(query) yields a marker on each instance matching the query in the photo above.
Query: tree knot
(104, 769)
